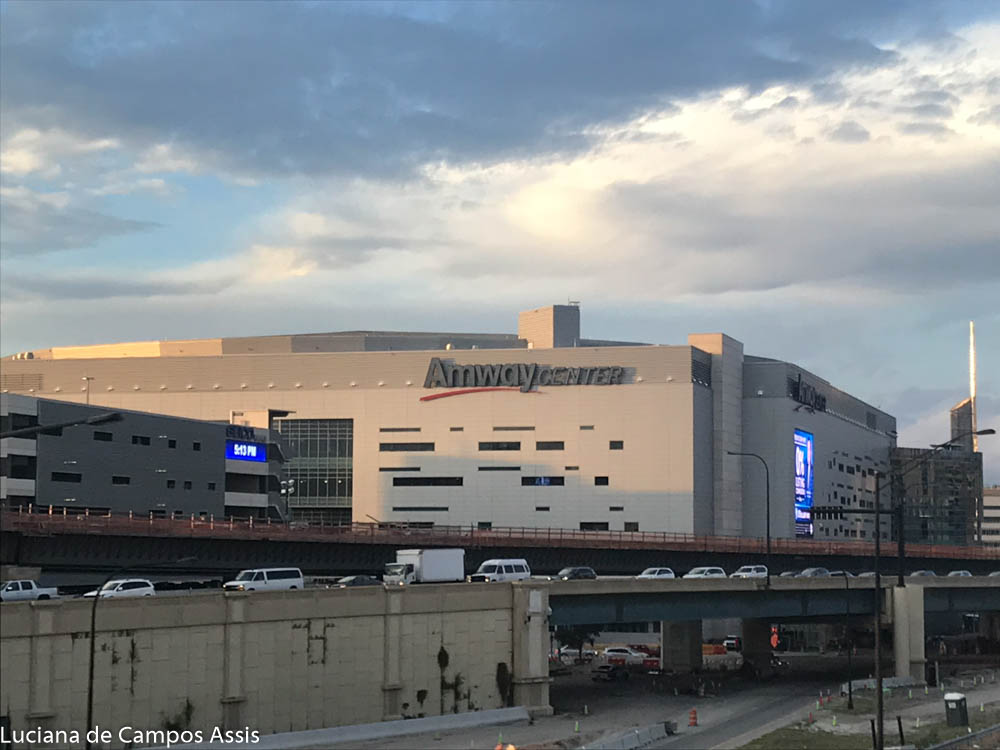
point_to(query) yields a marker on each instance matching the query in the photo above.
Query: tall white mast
(972, 381)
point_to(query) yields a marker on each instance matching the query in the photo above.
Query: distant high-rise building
(961, 426)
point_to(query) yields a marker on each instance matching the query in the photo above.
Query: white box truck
(426, 566)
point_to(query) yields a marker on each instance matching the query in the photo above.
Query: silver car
(750, 571)
(706, 572)
(814, 573)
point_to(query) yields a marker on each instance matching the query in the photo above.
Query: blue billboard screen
(243, 451)
(803, 483)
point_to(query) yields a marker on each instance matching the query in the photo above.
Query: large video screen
(803, 483)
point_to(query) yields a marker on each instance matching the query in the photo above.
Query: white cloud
(40, 152)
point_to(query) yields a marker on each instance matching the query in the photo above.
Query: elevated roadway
(102, 543)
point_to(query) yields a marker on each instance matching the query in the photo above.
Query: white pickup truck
(19, 591)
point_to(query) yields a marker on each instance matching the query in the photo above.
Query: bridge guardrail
(28, 520)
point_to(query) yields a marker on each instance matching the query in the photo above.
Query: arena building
(543, 428)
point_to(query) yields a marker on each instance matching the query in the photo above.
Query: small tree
(575, 636)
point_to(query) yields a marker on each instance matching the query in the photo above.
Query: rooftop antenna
(972, 382)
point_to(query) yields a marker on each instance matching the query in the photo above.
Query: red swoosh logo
(468, 390)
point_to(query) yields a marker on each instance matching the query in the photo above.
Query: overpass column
(233, 693)
(531, 644)
(757, 644)
(392, 684)
(41, 664)
(680, 645)
(908, 631)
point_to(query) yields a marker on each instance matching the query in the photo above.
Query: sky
(819, 180)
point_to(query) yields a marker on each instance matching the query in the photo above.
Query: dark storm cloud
(277, 88)
(32, 225)
(849, 132)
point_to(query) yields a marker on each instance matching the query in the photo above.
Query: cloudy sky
(819, 180)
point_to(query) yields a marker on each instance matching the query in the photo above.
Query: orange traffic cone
(693, 717)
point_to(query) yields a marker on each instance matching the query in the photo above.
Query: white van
(266, 579)
(501, 570)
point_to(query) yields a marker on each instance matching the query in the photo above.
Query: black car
(359, 580)
(575, 574)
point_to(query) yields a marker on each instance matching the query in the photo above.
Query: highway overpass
(57, 543)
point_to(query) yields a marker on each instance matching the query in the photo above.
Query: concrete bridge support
(680, 645)
(908, 631)
(531, 643)
(756, 643)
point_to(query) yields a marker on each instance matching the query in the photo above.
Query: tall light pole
(767, 502)
(93, 636)
(86, 379)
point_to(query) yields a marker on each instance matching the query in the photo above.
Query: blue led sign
(803, 483)
(242, 451)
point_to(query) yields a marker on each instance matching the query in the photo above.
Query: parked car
(358, 580)
(266, 579)
(492, 571)
(25, 590)
(814, 573)
(994, 574)
(733, 643)
(960, 574)
(609, 673)
(750, 571)
(624, 655)
(789, 574)
(575, 574)
(842, 573)
(867, 574)
(656, 573)
(574, 654)
(706, 572)
(124, 589)
(923, 574)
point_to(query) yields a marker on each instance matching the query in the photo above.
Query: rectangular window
(601, 481)
(616, 445)
(631, 526)
(499, 468)
(543, 481)
(211, 485)
(171, 443)
(196, 446)
(515, 428)
(586, 427)
(549, 445)
(405, 447)
(19, 467)
(419, 508)
(399, 468)
(66, 476)
(542, 508)
(484, 525)
(104, 437)
(427, 481)
(140, 440)
(616, 508)
(171, 483)
(593, 525)
(187, 484)
(399, 429)
(572, 468)
(499, 446)
(457, 429)
(121, 480)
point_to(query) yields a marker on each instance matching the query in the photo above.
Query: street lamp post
(848, 640)
(767, 502)
(86, 379)
(93, 637)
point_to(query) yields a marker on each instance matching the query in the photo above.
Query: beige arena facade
(542, 429)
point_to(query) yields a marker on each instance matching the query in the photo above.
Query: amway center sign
(443, 373)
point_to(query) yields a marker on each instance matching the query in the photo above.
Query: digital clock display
(243, 451)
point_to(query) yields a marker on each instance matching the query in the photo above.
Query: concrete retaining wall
(272, 662)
